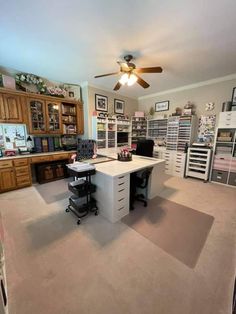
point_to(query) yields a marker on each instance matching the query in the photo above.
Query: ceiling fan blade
(149, 70)
(141, 82)
(114, 73)
(117, 86)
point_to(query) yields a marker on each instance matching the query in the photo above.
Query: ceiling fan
(130, 74)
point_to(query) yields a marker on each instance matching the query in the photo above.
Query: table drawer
(60, 157)
(21, 171)
(121, 182)
(41, 159)
(20, 162)
(6, 164)
(219, 176)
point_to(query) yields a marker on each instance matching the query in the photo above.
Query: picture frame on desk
(119, 106)
(101, 103)
(162, 106)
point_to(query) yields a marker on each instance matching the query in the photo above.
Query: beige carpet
(54, 191)
(55, 267)
(179, 230)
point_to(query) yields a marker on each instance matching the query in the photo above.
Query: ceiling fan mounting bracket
(128, 58)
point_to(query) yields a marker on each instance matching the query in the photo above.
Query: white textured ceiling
(73, 40)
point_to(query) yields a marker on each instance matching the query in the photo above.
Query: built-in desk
(15, 172)
(113, 183)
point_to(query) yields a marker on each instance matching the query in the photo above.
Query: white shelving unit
(224, 161)
(139, 128)
(111, 132)
(157, 129)
(198, 162)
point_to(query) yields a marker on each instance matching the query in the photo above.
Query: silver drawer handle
(121, 183)
(121, 190)
(121, 177)
(121, 199)
(121, 208)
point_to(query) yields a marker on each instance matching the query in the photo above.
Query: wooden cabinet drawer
(5, 164)
(41, 159)
(60, 156)
(20, 162)
(23, 180)
(21, 171)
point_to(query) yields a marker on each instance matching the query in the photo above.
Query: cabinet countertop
(38, 154)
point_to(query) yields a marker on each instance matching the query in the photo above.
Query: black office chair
(145, 148)
(140, 179)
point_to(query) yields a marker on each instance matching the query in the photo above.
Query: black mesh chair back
(85, 149)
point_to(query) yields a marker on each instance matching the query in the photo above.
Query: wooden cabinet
(14, 174)
(7, 179)
(80, 119)
(10, 108)
(53, 114)
(37, 116)
(42, 114)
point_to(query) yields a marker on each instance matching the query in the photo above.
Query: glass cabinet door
(37, 116)
(54, 117)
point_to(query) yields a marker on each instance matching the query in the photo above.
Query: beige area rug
(54, 191)
(178, 230)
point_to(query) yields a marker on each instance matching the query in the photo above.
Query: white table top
(116, 168)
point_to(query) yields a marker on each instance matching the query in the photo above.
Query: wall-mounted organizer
(198, 162)
(157, 129)
(111, 132)
(224, 163)
(139, 128)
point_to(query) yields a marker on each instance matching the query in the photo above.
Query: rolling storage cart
(82, 202)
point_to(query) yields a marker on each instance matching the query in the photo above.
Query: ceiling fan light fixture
(124, 79)
(132, 79)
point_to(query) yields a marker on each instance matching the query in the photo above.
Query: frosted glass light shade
(124, 79)
(132, 79)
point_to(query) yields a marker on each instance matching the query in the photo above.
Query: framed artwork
(119, 106)
(234, 97)
(101, 103)
(162, 106)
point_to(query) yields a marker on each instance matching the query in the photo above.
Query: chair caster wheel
(145, 204)
(96, 213)
(67, 210)
(78, 222)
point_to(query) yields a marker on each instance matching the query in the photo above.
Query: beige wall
(217, 93)
(88, 95)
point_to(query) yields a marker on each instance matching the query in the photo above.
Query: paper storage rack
(185, 132)
(157, 129)
(172, 133)
(198, 163)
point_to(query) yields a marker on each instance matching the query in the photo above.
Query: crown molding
(191, 86)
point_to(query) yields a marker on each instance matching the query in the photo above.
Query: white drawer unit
(174, 161)
(198, 163)
(227, 119)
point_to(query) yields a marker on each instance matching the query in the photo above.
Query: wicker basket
(129, 158)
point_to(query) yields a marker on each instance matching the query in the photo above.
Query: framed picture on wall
(101, 103)
(119, 106)
(162, 106)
